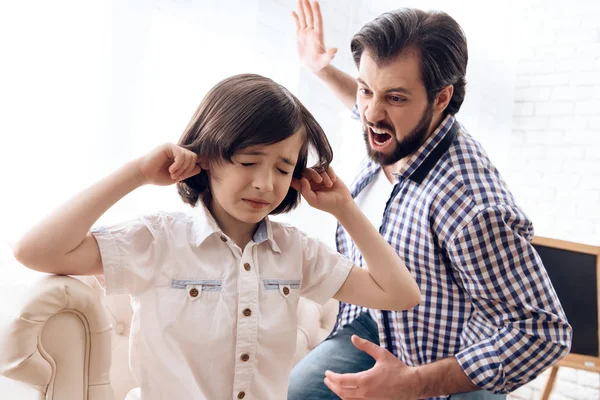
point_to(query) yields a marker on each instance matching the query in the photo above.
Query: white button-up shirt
(210, 320)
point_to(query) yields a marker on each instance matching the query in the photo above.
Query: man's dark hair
(249, 110)
(434, 36)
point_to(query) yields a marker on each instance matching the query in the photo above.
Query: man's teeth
(379, 132)
(380, 137)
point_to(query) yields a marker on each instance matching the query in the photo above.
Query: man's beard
(404, 147)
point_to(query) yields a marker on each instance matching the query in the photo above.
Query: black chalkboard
(573, 273)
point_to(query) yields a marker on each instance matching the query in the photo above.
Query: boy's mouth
(256, 203)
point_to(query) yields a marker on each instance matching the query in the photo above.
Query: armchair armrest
(55, 335)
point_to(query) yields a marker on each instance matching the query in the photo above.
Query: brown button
(247, 267)
(247, 312)
(286, 291)
(241, 395)
(194, 292)
(245, 357)
(223, 239)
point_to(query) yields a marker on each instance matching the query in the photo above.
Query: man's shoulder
(468, 166)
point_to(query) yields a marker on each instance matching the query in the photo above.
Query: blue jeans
(338, 354)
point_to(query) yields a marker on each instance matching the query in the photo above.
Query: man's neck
(390, 170)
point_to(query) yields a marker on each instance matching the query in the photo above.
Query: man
(490, 320)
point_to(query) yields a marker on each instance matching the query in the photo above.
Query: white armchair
(63, 340)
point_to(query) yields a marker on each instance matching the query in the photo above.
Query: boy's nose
(263, 183)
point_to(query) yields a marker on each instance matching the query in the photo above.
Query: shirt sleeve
(324, 270)
(129, 255)
(525, 329)
(355, 113)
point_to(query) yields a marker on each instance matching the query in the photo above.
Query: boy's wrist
(134, 174)
(346, 211)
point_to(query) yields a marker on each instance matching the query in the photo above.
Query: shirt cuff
(483, 366)
(334, 281)
(113, 279)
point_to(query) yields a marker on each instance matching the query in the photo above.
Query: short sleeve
(129, 255)
(324, 270)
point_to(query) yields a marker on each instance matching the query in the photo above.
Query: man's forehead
(401, 71)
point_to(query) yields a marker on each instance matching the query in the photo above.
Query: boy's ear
(204, 164)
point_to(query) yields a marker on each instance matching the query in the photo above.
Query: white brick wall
(555, 170)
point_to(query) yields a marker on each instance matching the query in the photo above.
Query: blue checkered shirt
(486, 297)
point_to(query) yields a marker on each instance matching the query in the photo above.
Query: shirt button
(247, 312)
(194, 292)
(247, 267)
(241, 395)
(286, 291)
(223, 239)
(245, 357)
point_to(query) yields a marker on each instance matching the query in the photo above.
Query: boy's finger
(312, 175)
(295, 184)
(327, 182)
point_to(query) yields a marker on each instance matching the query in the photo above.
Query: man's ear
(443, 99)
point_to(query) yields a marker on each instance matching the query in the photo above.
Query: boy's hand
(167, 164)
(323, 191)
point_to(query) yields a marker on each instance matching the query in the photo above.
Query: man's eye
(364, 91)
(397, 99)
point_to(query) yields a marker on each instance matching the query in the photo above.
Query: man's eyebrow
(262, 153)
(399, 89)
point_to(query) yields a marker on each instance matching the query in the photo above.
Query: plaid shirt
(486, 297)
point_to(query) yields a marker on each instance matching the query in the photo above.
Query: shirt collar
(418, 164)
(205, 225)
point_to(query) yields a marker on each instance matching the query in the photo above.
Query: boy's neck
(240, 232)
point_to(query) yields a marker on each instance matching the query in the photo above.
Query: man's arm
(341, 84)
(522, 327)
(442, 377)
(310, 42)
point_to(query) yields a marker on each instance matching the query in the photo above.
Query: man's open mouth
(380, 138)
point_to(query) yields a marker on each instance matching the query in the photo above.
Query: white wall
(554, 167)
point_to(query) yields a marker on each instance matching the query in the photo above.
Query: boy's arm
(62, 244)
(387, 284)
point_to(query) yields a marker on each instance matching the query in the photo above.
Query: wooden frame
(577, 361)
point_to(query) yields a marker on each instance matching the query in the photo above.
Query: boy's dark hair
(248, 110)
(436, 38)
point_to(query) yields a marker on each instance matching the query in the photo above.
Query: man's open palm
(309, 36)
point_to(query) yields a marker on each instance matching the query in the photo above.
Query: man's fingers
(368, 347)
(342, 392)
(301, 14)
(345, 380)
(296, 20)
(308, 14)
(317, 17)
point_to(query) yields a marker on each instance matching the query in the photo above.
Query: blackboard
(573, 270)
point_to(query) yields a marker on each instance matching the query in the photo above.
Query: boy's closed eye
(282, 171)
